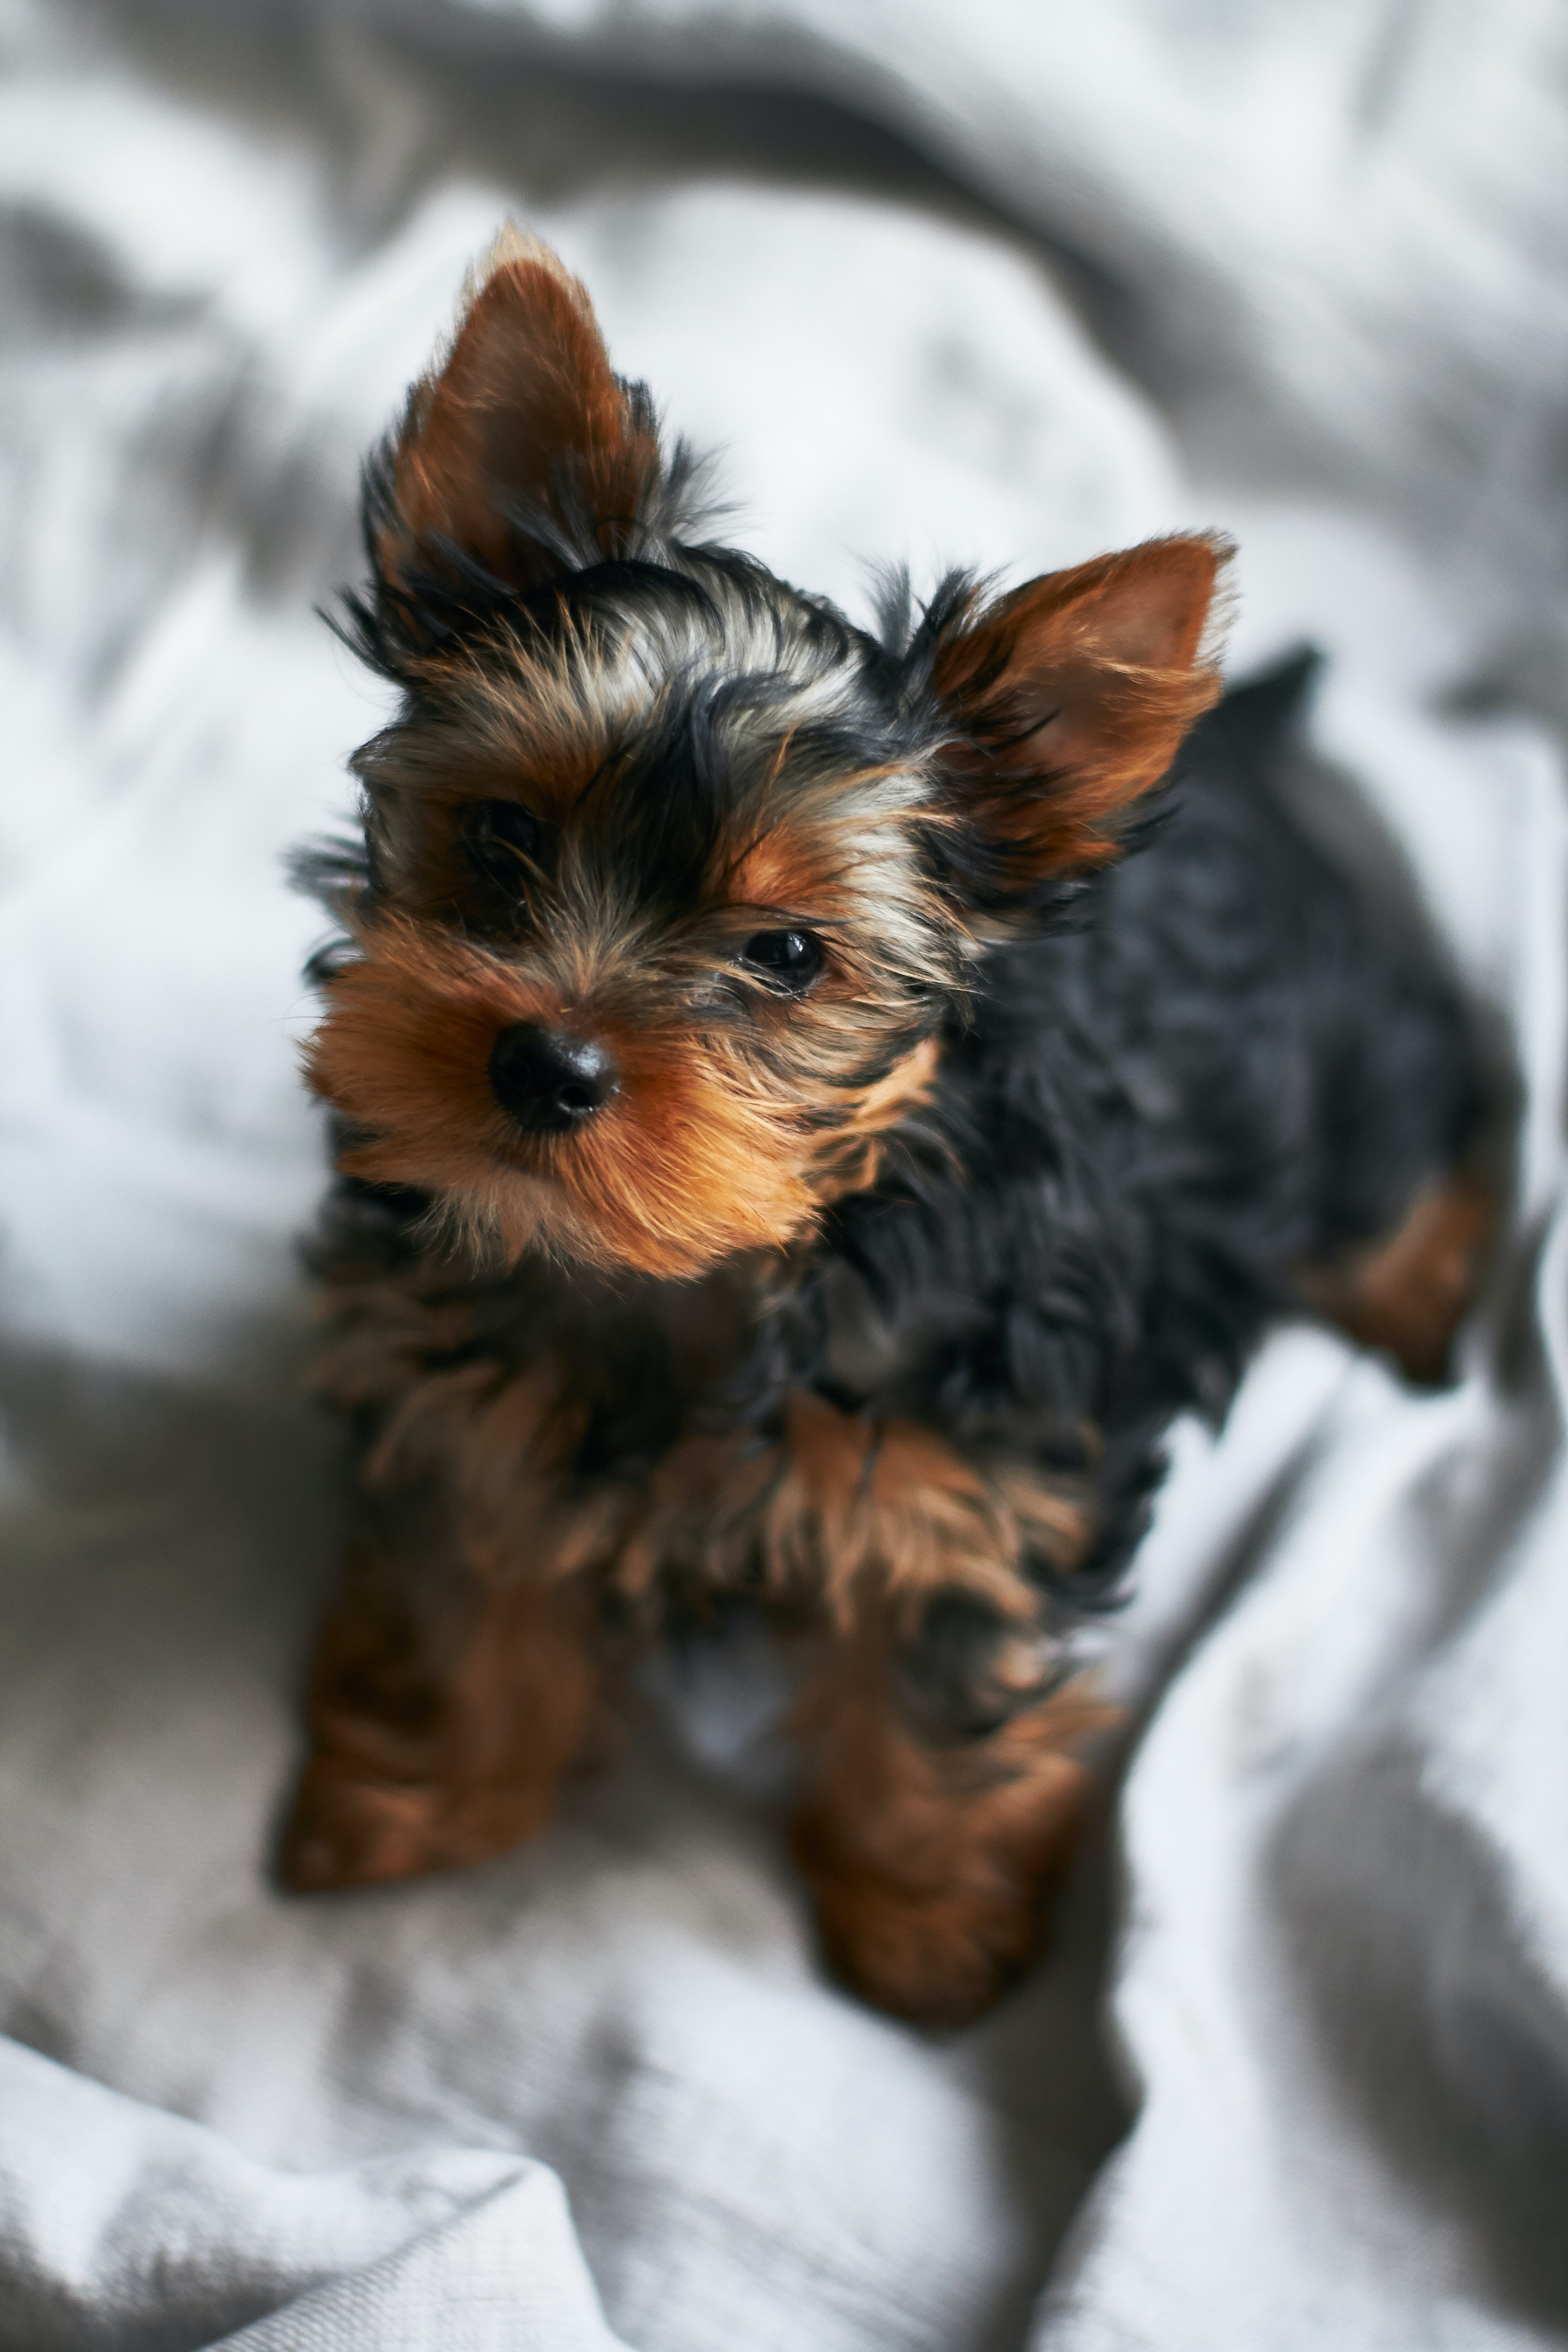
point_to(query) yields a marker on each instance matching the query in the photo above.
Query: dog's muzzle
(550, 1081)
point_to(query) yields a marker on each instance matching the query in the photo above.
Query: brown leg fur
(463, 1670)
(928, 1865)
(927, 1861)
(436, 1743)
(1409, 1294)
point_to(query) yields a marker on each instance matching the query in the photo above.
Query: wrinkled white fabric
(169, 2235)
(603, 2086)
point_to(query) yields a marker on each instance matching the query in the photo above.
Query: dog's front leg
(946, 1787)
(930, 1860)
(462, 1671)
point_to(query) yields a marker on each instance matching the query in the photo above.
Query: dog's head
(671, 875)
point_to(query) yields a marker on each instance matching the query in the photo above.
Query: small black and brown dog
(783, 1155)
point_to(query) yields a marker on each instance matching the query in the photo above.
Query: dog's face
(672, 873)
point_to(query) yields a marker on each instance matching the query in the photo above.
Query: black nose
(547, 1081)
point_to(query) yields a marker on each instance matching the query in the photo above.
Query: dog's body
(787, 1157)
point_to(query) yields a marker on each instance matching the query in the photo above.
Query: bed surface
(994, 284)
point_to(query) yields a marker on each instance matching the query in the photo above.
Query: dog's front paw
(350, 1831)
(938, 1959)
(344, 1831)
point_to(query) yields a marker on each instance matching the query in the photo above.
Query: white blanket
(601, 2093)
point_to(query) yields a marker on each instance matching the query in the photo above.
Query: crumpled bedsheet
(1001, 285)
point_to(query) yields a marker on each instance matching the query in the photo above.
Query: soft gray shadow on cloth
(1411, 1950)
(1441, 2037)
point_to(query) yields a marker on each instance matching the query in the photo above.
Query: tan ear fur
(524, 404)
(1073, 694)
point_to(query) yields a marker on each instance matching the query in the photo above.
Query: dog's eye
(503, 838)
(790, 958)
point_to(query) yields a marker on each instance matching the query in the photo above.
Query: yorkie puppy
(781, 1155)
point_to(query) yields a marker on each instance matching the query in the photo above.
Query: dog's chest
(861, 1354)
(714, 1334)
(707, 1327)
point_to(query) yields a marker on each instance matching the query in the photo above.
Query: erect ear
(1069, 697)
(522, 450)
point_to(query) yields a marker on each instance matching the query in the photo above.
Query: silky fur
(869, 1302)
